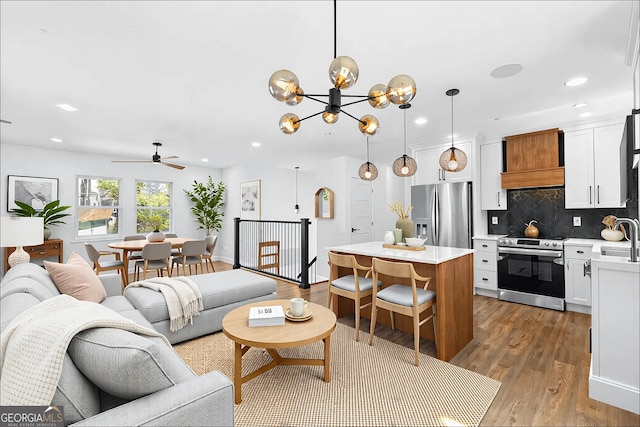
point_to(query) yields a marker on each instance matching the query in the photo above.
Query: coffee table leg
(327, 359)
(237, 373)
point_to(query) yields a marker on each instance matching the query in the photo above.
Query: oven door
(533, 271)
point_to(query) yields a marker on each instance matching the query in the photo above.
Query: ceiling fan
(154, 159)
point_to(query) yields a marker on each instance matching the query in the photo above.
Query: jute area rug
(370, 386)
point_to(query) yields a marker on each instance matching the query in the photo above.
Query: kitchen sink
(613, 251)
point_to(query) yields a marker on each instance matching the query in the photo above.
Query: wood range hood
(533, 159)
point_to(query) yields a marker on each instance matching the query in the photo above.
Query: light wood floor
(541, 357)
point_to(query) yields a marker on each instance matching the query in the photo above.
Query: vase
(47, 234)
(156, 236)
(612, 235)
(406, 225)
(389, 238)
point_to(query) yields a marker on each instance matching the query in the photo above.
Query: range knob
(546, 243)
(501, 241)
(555, 244)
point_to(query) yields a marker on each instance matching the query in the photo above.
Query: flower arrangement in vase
(612, 232)
(404, 221)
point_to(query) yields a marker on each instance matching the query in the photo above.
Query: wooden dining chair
(106, 265)
(174, 251)
(155, 256)
(192, 251)
(352, 286)
(135, 255)
(408, 300)
(208, 253)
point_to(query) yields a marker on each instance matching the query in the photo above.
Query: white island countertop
(431, 255)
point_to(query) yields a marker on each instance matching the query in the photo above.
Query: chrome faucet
(634, 228)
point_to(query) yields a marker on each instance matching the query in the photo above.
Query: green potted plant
(156, 221)
(208, 201)
(52, 214)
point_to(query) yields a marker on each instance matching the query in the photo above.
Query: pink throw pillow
(76, 278)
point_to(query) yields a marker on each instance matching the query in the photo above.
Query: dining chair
(155, 256)
(106, 265)
(174, 251)
(352, 286)
(135, 255)
(192, 251)
(407, 300)
(207, 257)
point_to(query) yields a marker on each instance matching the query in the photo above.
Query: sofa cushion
(31, 271)
(14, 304)
(76, 278)
(125, 364)
(117, 303)
(80, 398)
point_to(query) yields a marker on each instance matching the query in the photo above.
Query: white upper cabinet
(429, 170)
(492, 195)
(592, 167)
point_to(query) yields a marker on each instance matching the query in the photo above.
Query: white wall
(67, 165)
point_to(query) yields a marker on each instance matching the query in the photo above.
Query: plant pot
(612, 235)
(406, 225)
(389, 238)
(156, 236)
(47, 234)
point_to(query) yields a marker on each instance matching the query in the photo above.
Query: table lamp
(18, 232)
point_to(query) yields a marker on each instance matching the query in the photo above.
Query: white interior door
(361, 220)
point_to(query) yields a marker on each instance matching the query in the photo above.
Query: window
(98, 206)
(153, 201)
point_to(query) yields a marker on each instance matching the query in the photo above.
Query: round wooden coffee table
(235, 325)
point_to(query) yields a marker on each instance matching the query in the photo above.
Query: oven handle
(533, 252)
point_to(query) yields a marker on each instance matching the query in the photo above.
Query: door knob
(354, 229)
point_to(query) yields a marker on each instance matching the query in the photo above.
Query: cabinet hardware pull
(498, 199)
(485, 279)
(485, 246)
(590, 195)
(598, 194)
(580, 252)
(484, 260)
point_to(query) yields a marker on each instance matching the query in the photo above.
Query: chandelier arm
(308, 117)
(317, 100)
(353, 117)
(355, 102)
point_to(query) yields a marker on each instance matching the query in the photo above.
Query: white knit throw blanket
(183, 297)
(33, 345)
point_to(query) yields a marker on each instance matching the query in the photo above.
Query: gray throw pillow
(125, 364)
(75, 392)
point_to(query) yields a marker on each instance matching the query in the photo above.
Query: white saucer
(401, 244)
(306, 316)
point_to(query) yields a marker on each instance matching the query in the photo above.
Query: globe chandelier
(284, 86)
(453, 159)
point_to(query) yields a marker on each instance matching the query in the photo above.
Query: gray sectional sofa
(117, 378)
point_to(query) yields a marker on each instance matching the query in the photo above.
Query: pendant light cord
(452, 122)
(367, 153)
(335, 29)
(405, 130)
(297, 167)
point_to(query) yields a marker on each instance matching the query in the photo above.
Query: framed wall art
(250, 200)
(34, 191)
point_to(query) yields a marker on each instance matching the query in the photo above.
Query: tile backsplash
(546, 205)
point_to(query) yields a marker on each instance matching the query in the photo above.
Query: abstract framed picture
(250, 200)
(34, 191)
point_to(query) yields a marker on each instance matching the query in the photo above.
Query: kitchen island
(450, 269)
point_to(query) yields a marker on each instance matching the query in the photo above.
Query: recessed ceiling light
(56, 140)
(577, 81)
(66, 107)
(204, 160)
(420, 120)
(587, 114)
(255, 144)
(507, 70)
(580, 105)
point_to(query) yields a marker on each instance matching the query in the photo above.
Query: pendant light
(296, 208)
(453, 159)
(404, 165)
(368, 171)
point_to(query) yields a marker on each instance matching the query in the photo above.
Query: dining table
(128, 246)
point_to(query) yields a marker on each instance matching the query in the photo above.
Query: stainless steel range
(531, 271)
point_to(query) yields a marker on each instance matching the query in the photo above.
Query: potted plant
(52, 214)
(156, 221)
(613, 232)
(208, 200)
(404, 220)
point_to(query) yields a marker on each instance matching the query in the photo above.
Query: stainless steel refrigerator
(443, 213)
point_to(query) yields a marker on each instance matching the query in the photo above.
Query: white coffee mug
(297, 306)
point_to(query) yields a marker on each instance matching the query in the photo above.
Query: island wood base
(454, 303)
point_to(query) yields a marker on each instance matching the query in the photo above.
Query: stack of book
(266, 316)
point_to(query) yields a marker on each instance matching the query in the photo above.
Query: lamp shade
(21, 231)
(405, 166)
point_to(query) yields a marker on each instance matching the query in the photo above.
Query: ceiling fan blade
(169, 157)
(171, 165)
(129, 161)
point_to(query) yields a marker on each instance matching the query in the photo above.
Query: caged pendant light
(284, 86)
(368, 171)
(453, 159)
(405, 165)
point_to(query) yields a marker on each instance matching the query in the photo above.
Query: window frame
(78, 207)
(168, 208)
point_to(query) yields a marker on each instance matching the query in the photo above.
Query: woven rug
(370, 386)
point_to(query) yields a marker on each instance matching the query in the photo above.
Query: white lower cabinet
(615, 333)
(485, 263)
(577, 282)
